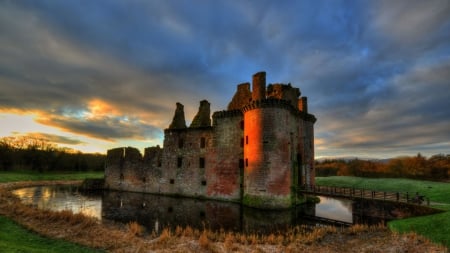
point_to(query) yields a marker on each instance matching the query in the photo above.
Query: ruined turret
(285, 92)
(202, 119)
(178, 121)
(242, 97)
(259, 86)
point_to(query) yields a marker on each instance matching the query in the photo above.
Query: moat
(156, 212)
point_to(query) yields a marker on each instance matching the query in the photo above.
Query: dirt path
(114, 238)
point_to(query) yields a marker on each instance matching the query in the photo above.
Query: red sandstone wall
(267, 152)
(223, 174)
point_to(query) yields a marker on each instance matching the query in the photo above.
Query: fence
(348, 192)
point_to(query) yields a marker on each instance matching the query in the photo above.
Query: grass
(14, 238)
(15, 176)
(435, 227)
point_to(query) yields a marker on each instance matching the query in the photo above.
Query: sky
(95, 75)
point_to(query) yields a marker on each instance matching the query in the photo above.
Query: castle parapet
(271, 102)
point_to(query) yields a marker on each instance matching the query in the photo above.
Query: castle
(257, 152)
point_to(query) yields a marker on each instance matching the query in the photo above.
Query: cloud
(376, 74)
(411, 22)
(53, 138)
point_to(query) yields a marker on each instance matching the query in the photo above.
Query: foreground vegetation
(435, 227)
(14, 238)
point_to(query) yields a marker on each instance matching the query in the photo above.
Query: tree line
(436, 167)
(29, 153)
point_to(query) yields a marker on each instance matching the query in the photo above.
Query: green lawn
(435, 227)
(14, 238)
(13, 176)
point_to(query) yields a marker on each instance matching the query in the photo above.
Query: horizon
(92, 76)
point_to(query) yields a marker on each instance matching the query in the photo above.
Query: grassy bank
(14, 238)
(15, 176)
(435, 227)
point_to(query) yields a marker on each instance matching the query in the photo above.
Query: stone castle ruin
(257, 152)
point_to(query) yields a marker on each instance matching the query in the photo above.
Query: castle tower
(278, 146)
(268, 154)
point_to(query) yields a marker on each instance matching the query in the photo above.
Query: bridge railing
(350, 192)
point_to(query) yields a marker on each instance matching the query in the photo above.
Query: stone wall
(224, 174)
(184, 161)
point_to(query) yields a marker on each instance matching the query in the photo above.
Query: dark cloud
(106, 128)
(376, 73)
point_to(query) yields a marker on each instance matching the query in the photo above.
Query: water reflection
(335, 209)
(156, 212)
(60, 198)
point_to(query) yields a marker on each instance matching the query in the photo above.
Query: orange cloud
(98, 108)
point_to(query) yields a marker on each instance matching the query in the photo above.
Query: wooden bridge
(353, 193)
(326, 221)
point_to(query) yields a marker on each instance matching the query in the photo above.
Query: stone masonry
(257, 152)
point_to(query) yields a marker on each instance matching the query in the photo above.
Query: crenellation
(256, 152)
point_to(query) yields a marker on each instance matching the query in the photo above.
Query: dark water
(155, 212)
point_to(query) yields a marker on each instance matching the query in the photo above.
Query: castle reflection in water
(156, 212)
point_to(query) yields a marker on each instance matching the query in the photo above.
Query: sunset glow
(100, 75)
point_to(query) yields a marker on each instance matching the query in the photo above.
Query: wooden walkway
(346, 192)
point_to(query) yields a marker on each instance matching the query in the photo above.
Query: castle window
(246, 139)
(246, 162)
(170, 209)
(241, 163)
(242, 125)
(121, 176)
(201, 162)
(172, 181)
(180, 162)
(144, 179)
(202, 142)
(180, 143)
(159, 163)
(203, 182)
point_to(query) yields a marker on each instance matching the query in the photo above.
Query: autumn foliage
(436, 167)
